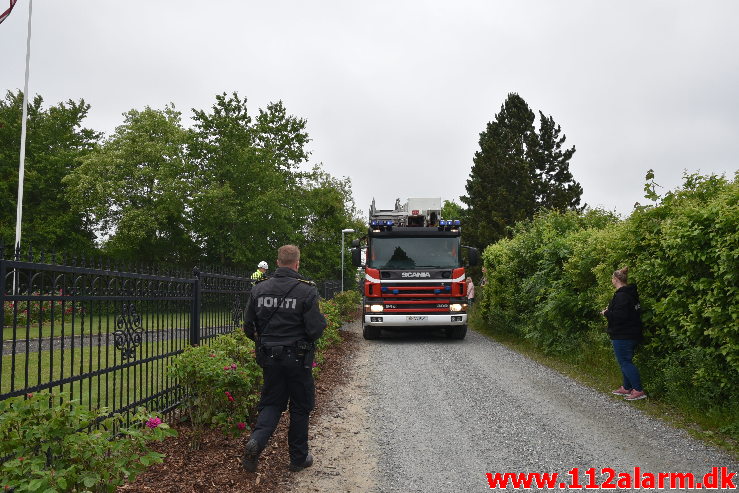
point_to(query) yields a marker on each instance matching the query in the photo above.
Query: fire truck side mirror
(356, 256)
(474, 256)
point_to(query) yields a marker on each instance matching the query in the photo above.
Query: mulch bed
(216, 466)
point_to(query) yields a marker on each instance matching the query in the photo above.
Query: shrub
(38, 312)
(221, 384)
(348, 303)
(54, 444)
(222, 381)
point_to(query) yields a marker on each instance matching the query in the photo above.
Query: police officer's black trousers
(282, 382)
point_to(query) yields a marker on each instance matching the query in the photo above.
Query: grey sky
(396, 92)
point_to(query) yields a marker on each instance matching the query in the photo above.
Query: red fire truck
(414, 272)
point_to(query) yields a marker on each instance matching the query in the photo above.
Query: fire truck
(414, 270)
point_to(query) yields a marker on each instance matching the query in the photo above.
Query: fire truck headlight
(455, 307)
(375, 308)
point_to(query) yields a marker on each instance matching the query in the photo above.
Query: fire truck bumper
(410, 321)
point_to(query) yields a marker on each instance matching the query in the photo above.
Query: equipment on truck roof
(419, 212)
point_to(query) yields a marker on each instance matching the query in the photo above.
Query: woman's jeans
(624, 351)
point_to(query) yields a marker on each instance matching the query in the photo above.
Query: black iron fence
(328, 289)
(105, 333)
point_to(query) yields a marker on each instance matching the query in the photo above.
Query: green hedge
(549, 282)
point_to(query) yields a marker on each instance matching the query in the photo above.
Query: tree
(331, 208)
(451, 210)
(229, 191)
(56, 143)
(135, 188)
(248, 180)
(517, 172)
(252, 194)
(554, 184)
(226, 175)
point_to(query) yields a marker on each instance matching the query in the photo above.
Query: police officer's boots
(299, 467)
(251, 456)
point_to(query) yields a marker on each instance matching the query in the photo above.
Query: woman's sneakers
(635, 395)
(621, 391)
(630, 395)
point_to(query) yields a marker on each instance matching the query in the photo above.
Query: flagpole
(22, 166)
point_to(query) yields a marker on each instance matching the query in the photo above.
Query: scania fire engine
(414, 272)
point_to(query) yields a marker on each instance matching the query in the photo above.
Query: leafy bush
(342, 308)
(55, 445)
(221, 384)
(348, 303)
(38, 312)
(549, 281)
(222, 381)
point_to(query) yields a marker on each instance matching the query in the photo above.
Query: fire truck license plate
(417, 318)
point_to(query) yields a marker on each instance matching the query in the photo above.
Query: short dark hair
(288, 255)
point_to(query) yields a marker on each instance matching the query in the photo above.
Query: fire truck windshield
(414, 253)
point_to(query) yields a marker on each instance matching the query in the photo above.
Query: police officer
(261, 272)
(284, 321)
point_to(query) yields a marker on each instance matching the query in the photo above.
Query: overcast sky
(396, 92)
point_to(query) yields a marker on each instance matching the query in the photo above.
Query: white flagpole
(22, 166)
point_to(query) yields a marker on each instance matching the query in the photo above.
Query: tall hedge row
(550, 280)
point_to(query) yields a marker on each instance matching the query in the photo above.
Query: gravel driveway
(425, 414)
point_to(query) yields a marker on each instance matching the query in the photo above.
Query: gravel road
(426, 414)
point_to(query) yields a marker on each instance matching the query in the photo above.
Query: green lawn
(113, 389)
(103, 323)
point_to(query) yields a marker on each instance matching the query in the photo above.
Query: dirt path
(345, 453)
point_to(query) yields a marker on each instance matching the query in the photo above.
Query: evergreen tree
(555, 185)
(517, 172)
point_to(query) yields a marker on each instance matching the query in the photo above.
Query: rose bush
(38, 312)
(221, 384)
(54, 444)
(222, 381)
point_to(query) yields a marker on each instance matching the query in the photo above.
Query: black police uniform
(284, 320)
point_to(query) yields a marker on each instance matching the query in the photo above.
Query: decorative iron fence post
(195, 319)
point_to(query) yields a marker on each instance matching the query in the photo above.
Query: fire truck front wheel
(371, 332)
(457, 332)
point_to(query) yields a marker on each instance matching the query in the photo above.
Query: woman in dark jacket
(625, 331)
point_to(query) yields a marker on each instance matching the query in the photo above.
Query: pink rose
(241, 426)
(315, 364)
(233, 366)
(153, 422)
